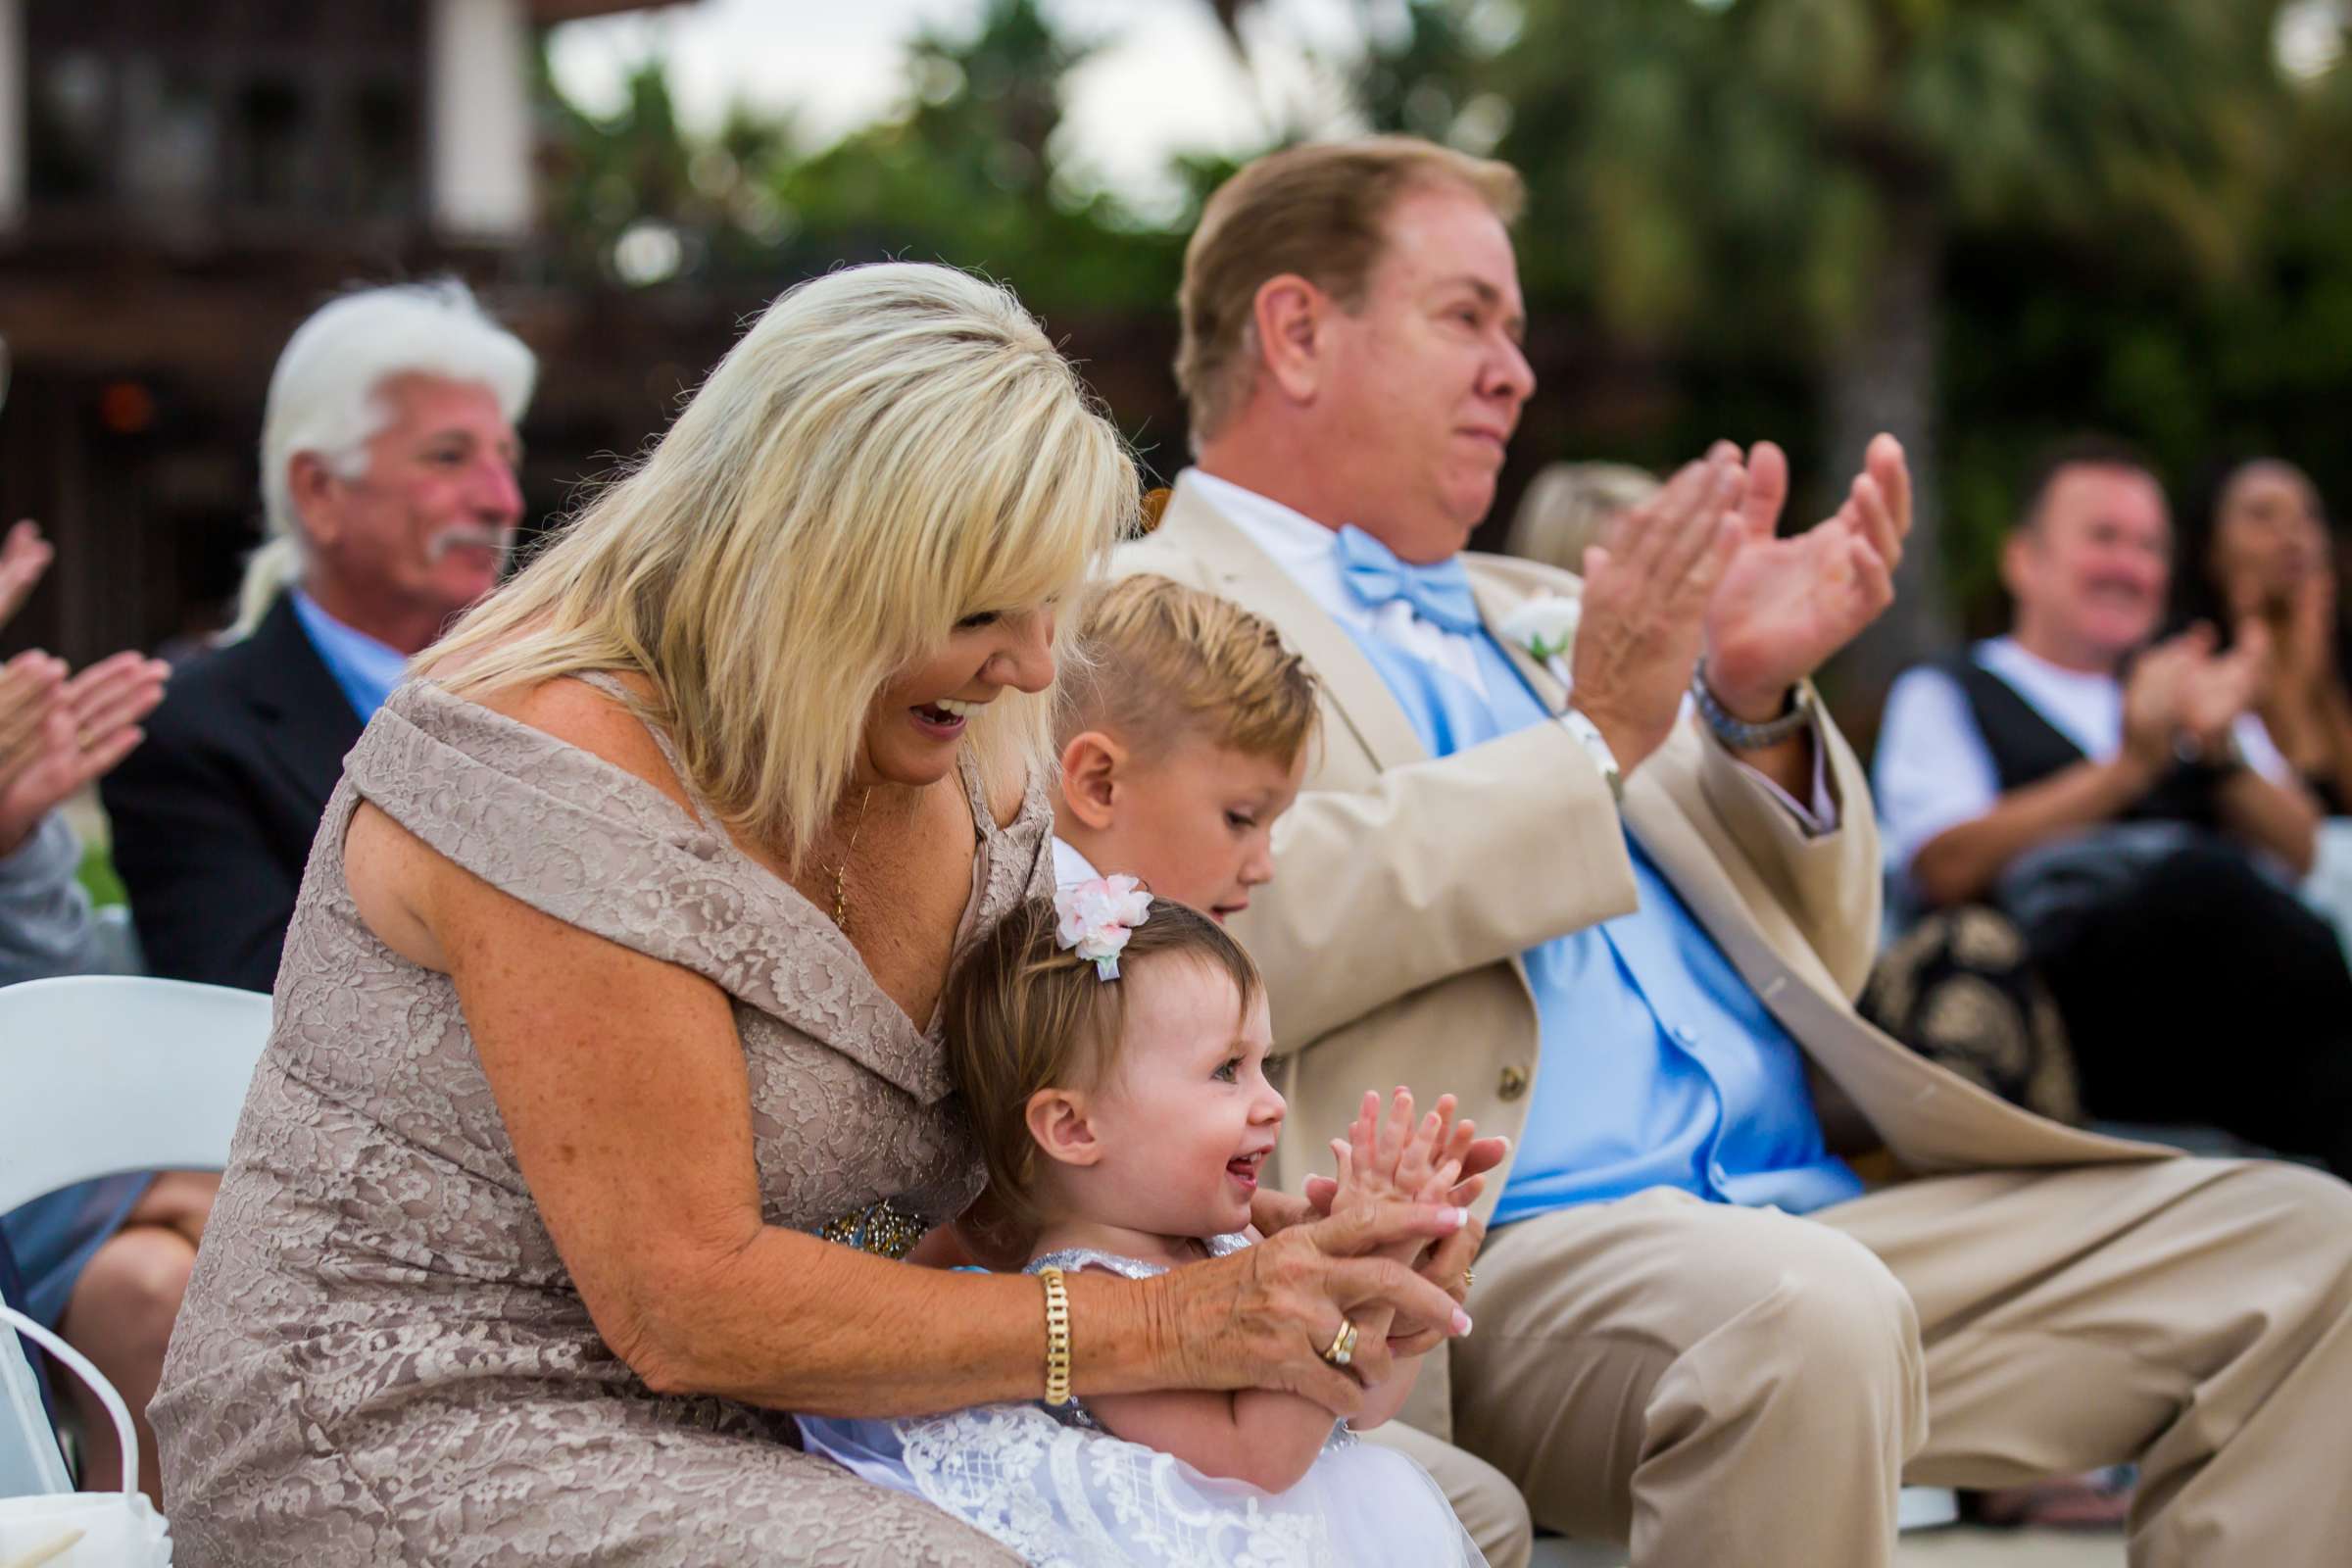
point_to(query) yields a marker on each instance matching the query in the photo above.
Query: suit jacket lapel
(1255, 580)
(1495, 600)
(1690, 862)
(290, 687)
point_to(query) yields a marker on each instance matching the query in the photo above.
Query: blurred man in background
(2124, 804)
(388, 479)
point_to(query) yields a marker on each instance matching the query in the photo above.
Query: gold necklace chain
(841, 868)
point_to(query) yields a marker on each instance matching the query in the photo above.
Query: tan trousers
(1719, 1386)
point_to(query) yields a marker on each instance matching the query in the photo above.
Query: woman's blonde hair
(1158, 662)
(1023, 1013)
(887, 452)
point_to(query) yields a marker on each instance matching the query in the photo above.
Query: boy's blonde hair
(1156, 661)
(888, 450)
(1022, 1013)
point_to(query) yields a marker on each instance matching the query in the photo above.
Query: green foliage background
(1986, 224)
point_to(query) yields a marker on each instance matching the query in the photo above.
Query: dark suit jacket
(215, 813)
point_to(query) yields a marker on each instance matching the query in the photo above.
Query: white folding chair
(106, 1074)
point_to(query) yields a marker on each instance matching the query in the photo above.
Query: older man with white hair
(388, 479)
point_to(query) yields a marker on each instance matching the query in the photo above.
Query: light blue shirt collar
(366, 669)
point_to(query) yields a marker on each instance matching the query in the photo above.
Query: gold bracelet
(1058, 1337)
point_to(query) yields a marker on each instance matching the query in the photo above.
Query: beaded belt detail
(882, 1229)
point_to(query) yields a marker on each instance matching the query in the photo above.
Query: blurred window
(71, 126)
(286, 114)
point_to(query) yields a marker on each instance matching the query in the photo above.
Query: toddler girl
(1112, 1051)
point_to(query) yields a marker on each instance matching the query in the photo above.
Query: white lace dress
(1064, 1492)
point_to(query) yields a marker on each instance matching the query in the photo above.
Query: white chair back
(104, 1074)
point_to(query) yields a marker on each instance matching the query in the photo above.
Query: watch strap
(1737, 733)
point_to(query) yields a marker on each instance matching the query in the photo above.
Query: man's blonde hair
(888, 450)
(1316, 211)
(1158, 662)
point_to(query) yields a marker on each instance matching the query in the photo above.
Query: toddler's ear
(1091, 766)
(1058, 1121)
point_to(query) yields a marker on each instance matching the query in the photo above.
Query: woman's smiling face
(918, 719)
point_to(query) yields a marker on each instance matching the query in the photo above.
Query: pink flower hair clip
(1096, 917)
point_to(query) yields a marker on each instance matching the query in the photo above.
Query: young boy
(1184, 729)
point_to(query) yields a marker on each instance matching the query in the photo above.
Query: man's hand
(92, 726)
(2152, 699)
(29, 687)
(1784, 606)
(24, 555)
(2216, 688)
(1647, 586)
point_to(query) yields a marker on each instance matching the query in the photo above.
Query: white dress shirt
(1069, 866)
(1309, 551)
(1933, 770)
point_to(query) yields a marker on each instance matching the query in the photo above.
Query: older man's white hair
(325, 397)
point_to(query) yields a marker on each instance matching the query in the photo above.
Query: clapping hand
(29, 685)
(2152, 700)
(1647, 586)
(2305, 655)
(92, 726)
(1784, 606)
(1445, 1263)
(2216, 688)
(1385, 1159)
(2181, 690)
(58, 734)
(24, 555)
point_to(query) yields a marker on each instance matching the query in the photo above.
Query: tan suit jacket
(1407, 887)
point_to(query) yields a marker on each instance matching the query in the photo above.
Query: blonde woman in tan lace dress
(597, 1112)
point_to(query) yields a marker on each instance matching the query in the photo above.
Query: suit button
(1512, 1085)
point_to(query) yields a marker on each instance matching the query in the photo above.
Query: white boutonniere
(1546, 626)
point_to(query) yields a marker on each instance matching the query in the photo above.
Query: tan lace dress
(381, 1359)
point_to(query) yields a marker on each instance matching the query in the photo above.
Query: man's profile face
(430, 519)
(1427, 376)
(2095, 565)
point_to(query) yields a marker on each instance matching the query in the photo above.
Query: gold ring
(1468, 1275)
(82, 739)
(1342, 1343)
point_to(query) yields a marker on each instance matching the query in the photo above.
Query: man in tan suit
(1696, 1329)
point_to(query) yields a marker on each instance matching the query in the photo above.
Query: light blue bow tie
(1439, 594)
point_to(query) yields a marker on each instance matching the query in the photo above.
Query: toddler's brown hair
(1023, 1013)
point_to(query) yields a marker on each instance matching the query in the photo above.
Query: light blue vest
(1660, 1067)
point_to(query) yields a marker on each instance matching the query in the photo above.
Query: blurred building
(180, 182)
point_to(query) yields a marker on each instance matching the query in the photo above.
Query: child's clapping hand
(1392, 1158)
